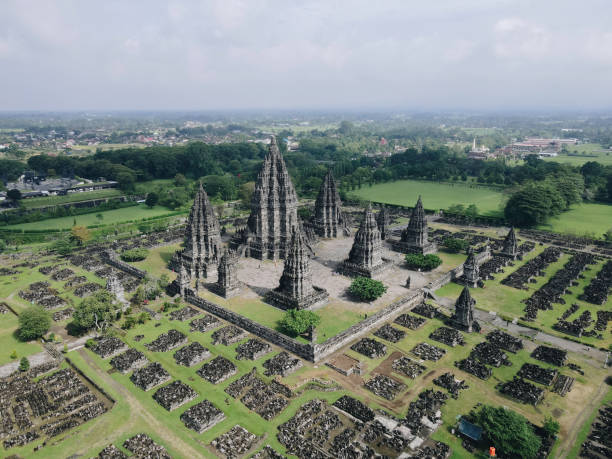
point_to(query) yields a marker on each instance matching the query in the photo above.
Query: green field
(109, 217)
(435, 195)
(72, 197)
(583, 219)
(589, 150)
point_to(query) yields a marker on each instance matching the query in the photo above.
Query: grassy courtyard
(435, 195)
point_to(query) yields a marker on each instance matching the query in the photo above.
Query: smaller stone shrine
(510, 247)
(227, 284)
(382, 220)
(365, 258)
(471, 271)
(463, 318)
(414, 238)
(295, 290)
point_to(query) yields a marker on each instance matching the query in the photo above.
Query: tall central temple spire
(329, 221)
(273, 209)
(202, 245)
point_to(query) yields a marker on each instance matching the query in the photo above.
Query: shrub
(90, 343)
(14, 354)
(34, 322)
(367, 289)
(24, 364)
(134, 254)
(551, 427)
(295, 322)
(130, 322)
(454, 245)
(423, 262)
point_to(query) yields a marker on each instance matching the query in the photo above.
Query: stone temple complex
(227, 284)
(329, 221)
(295, 290)
(471, 270)
(202, 246)
(414, 238)
(510, 247)
(365, 258)
(273, 211)
(463, 318)
(382, 219)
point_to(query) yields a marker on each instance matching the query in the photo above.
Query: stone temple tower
(414, 238)
(202, 244)
(382, 220)
(329, 221)
(273, 210)
(463, 318)
(365, 258)
(471, 270)
(295, 290)
(510, 247)
(227, 284)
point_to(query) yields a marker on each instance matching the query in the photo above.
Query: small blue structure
(470, 430)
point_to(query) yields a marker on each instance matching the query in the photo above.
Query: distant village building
(480, 152)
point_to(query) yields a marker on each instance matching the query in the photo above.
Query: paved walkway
(598, 357)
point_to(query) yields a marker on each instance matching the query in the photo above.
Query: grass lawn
(435, 195)
(9, 342)
(110, 217)
(583, 219)
(594, 152)
(72, 197)
(156, 262)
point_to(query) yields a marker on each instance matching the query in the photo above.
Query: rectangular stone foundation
(282, 301)
(352, 270)
(224, 292)
(403, 247)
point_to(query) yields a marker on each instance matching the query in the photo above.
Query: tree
(246, 193)
(97, 311)
(100, 217)
(366, 289)
(180, 180)
(152, 199)
(295, 321)
(551, 427)
(79, 235)
(24, 364)
(423, 262)
(14, 194)
(509, 432)
(455, 245)
(63, 246)
(533, 204)
(34, 322)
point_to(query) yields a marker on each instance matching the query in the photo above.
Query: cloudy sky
(249, 54)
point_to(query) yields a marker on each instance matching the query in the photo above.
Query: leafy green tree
(180, 180)
(366, 289)
(551, 427)
(246, 193)
(34, 322)
(533, 204)
(63, 246)
(295, 321)
(423, 262)
(24, 364)
(455, 245)
(509, 432)
(152, 199)
(98, 311)
(14, 194)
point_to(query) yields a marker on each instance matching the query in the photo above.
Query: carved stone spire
(471, 270)
(414, 238)
(328, 219)
(365, 258)
(382, 220)
(510, 247)
(295, 290)
(273, 209)
(202, 244)
(464, 312)
(227, 284)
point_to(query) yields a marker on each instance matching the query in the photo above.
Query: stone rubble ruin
(414, 238)
(273, 211)
(329, 220)
(202, 244)
(365, 258)
(295, 289)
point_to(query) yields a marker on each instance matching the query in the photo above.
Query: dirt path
(139, 413)
(572, 432)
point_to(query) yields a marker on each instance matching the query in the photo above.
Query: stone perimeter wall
(110, 257)
(310, 352)
(456, 272)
